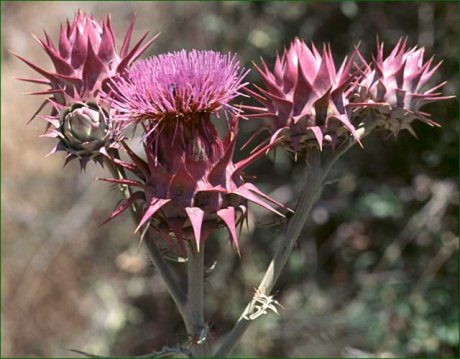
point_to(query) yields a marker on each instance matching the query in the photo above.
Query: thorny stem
(165, 272)
(318, 168)
(196, 326)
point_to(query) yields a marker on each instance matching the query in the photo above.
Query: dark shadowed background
(375, 272)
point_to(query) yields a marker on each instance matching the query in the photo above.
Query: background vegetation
(375, 272)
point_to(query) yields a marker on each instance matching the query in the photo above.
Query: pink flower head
(396, 87)
(305, 97)
(170, 88)
(191, 190)
(84, 59)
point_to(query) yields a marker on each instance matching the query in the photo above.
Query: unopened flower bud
(85, 132)
(85, 124)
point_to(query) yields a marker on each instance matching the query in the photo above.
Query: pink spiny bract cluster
(306, 101)
(174, 86)
(396, 87)
(191, 190)
(84, 60)
(305, 96)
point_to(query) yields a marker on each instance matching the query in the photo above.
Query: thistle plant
(184, 184)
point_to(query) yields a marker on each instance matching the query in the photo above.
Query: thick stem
(166, 274)
(196, 326)
(318, 168)
(312, 189)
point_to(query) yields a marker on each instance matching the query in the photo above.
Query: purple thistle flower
(85, 58)
(189, 183)
(305, 97)
(175, 87)
(396, 87)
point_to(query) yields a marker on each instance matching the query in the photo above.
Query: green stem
(166, 274)
(196, 326)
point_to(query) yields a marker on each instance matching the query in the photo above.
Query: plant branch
(317, 169)
(312, 189)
